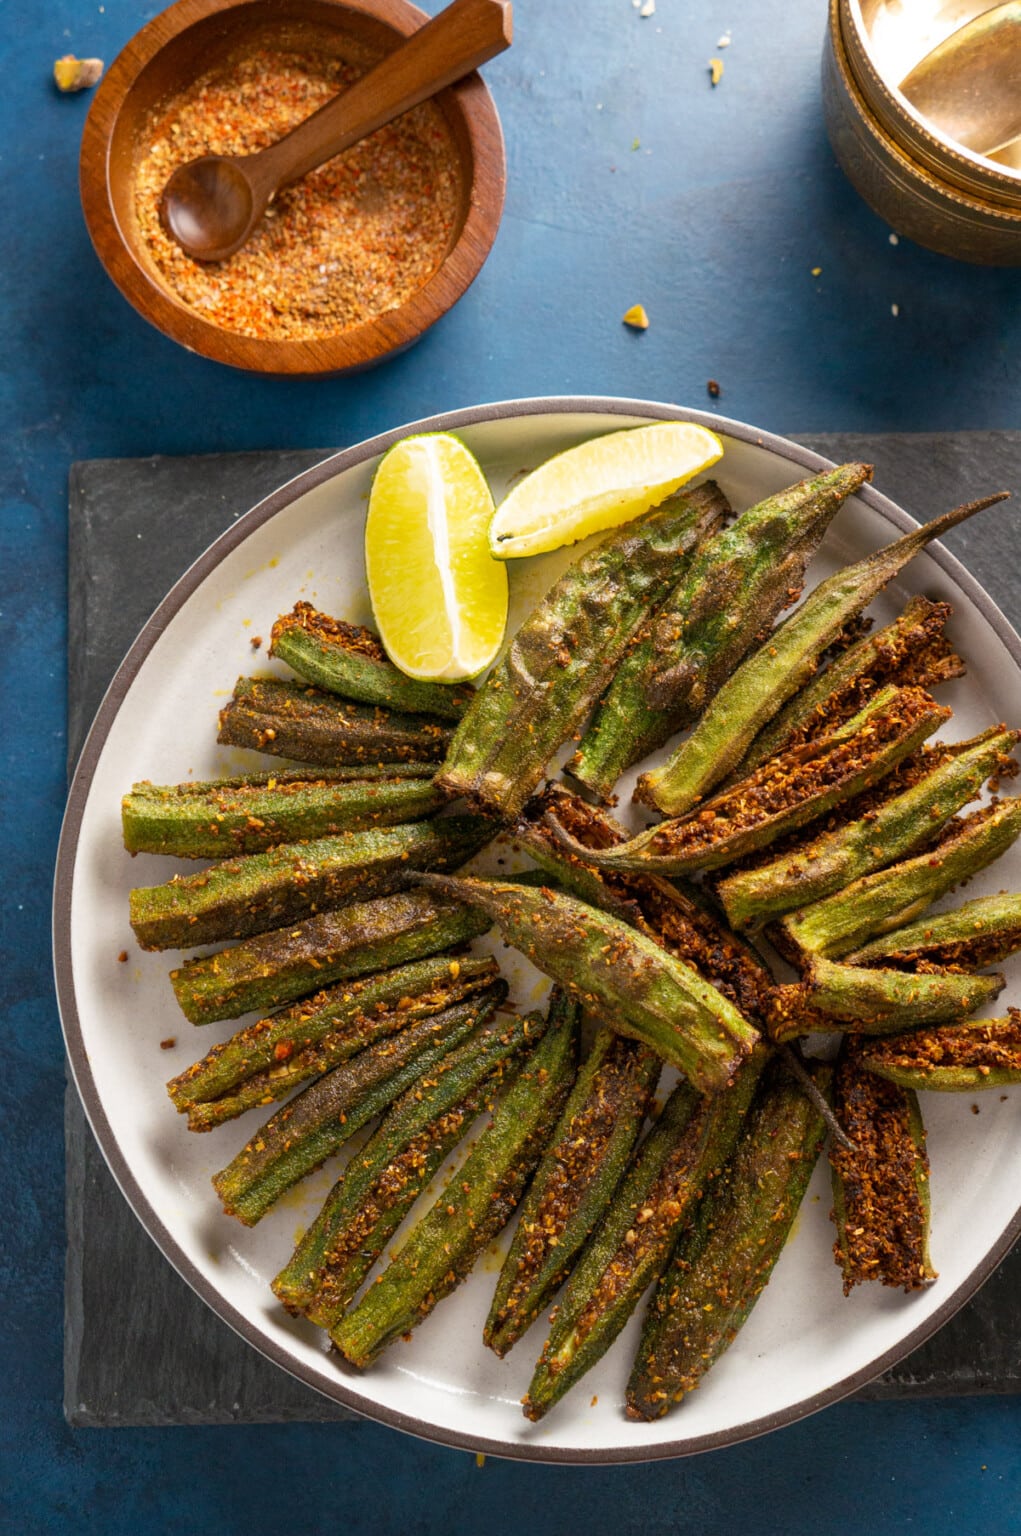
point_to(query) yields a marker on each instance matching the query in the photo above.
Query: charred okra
(961, 1058)
(726, 600)
(227, 817)
(867, 1001)
(782, 664)
(385, 1177)
(278, 967)
(271, 1057)
(241, 897)
(723, 1261)
(881, 1182)
(467, 1216)
(890, 830)
(301, 1136)
(785, 793)
(562, 657)
(310, 726)
(911, 652)
(684, 1151)
(979, 933)
(636, 986)
(575, 1182)
(350, 660)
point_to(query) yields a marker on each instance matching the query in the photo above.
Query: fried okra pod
(960, 1058)
(310, 726)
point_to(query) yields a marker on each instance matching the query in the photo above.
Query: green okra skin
(894, 829)
(275, 1055)
(637, 987)
(226, 817)
(724, 1260)
(477, 1204)
(676, 918)
(881, 1198)
(574, 1183)
(778, 669)
(240, 897)
(301, 1136)
(912, 650)
(563, 656)
(888, 898)
(866, 1001)
(385, 1177)
(278, 967)
(682, 1154)
(979, 933)
(785, 794)
(726, 599)
(310, 726)
(349, 659)
(958, 1058)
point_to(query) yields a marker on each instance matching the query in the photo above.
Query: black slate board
(165, 1358)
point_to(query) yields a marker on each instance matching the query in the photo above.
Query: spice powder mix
(349, 241)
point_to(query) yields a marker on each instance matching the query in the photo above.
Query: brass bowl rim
(964, 168)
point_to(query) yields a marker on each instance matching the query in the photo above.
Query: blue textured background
(630, 181)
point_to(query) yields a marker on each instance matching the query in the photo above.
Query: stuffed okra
(275, 1055)
(782, 664)
(315, 1124)
(477, 1204)
(541, 690)
(310, 726)
(637, 987)
(725, 601)
(350, 660)
(723, 1261)
(961, 1058)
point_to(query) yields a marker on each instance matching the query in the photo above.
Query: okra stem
(466, 1217)
(241, 897)
(574, 1183)
(288, 963)
(893, 829)
(385, 1177)
(310, 726)
(683, 1152)
(727, 598)
(539, 693)
(271, 1057)
(350, 660)
(227, 817)
(308, 1130)
(783, 664)
(724, 1260)
(636, 986)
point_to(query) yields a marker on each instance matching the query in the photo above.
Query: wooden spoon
(212, 205)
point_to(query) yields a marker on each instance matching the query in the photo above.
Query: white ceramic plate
(805, 1345)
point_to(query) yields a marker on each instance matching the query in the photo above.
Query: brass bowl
(930, 189)
(196, 35)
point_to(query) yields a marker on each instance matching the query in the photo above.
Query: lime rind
(599, 484)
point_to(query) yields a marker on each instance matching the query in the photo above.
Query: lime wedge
(439, 599)
(598, 485)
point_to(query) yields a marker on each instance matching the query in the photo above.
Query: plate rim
(341, 1390)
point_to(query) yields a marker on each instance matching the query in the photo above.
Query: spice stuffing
(351, 240)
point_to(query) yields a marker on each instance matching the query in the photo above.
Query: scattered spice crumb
(123, 956)
(648, 9)
(635, 144)
(255, 642)
(817, 271)
(715, 71)
(713, 390)
(895, 310)
(724, 41)
(350, 241)
(894, 239)
(480, 1460)
(169, 1043)
(636, 318)
(596, 1399)
(975, 1109)
(71, 74)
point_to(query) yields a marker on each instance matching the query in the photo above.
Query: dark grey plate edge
(340, 1391)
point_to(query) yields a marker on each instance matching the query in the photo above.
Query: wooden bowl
(195, 36)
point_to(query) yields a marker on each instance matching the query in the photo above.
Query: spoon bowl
(210, 207)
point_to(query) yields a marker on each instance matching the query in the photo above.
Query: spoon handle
(451, 45)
